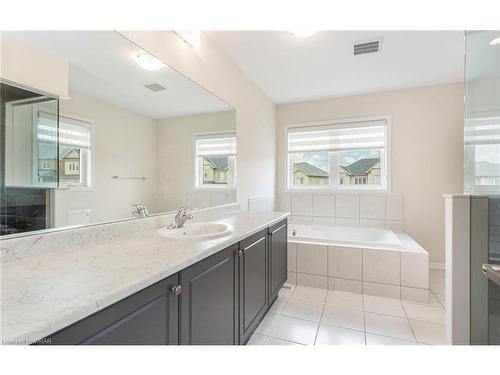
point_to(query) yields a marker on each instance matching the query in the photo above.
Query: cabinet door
(253, 283)
(208, 308)
(148, 317)
(277, 258)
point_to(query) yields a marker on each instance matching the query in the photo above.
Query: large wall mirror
(133, 138)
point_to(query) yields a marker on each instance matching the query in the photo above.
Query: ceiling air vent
(155, 87)
(372, 46)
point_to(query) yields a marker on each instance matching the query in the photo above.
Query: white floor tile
(429, 333)
(385, 306)
(344, 316)
(267, 323)
(372, 339)
(280, 302)
(293, 329)
(331, 335)
(275, 341)
(309, 294)
(344, 299)
(388, 326)
(427, 313)
(257, 339)
(303, 310)
(442, 299)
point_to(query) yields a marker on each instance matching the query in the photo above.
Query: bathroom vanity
(214, 291)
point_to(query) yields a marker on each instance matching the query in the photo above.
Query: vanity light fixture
(495, 42)
(147, 61)
(190, 37)
(302, 33)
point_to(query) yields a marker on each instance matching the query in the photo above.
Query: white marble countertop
(41, 295)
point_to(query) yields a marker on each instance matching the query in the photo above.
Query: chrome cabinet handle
(176, 289)
(492, 271)
(240, 252)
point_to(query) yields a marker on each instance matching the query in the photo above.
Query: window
(75, 148)
(347, 155)
(215, 160)
(482, 154)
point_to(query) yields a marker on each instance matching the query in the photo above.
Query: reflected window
(215, 160)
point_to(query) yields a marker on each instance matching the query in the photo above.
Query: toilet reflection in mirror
(132, 138)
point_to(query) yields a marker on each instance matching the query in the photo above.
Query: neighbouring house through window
(339, 155)
(215, 160)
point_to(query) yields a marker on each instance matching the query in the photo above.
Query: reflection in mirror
(134, 138)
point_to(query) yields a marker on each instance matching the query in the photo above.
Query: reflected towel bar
(130, 177)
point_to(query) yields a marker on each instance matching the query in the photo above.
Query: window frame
(340, 188)
(198, 171)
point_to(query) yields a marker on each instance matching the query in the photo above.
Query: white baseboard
(436, 266)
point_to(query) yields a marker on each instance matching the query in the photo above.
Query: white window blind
(338, 137)
(72, 132)
(216, 145)
(482, 130)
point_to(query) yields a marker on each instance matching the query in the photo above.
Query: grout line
(364, 318)
(321, 318)
(408, 320)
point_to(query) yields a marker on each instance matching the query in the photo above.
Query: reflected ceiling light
(147, 61)
(302, 33)
(495, 42)
(190, 37)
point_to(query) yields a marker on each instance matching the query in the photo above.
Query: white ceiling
(101, 66)
(290, 69)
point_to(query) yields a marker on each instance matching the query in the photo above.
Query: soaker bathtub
(358, 259)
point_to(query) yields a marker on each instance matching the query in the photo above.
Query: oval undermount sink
(197, 231)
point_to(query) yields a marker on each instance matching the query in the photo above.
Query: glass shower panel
(482, 112)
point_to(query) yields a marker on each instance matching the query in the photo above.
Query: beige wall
(176, 160)
(426, 147)
(255, 113)
(125, 145)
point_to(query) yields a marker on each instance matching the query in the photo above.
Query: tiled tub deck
(370, 261)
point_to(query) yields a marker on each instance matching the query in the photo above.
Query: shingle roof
(219, 163)
(310, 170)
(360, 167)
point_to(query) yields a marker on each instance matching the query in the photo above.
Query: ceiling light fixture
(302, 33)
(190, 37)
(147, 61)
(495, 42)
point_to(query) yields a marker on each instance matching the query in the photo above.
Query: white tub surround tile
(427, 313)
(313, 281)
(347, 206)
(394, 207)
(382, 290)
(346, 221)
(344, 262)
(372, 207)
(381, 266)
(353, 286)
(302, 204)
(301, 219)
(429, 333)
(293, 329)
(292, 257)
(323, 205)
(312, 259)
(331, 335)
(303, 310)
(415, 269)
(395, 225)
(388, 326)
(376, 223)
(384, 306)
(112, 270)
(324, 220)
(372, 339)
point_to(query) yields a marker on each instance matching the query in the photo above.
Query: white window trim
(214, 187)
(91, 125)
(344, 189)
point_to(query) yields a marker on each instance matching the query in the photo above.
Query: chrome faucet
(180, 219)
(141, 210)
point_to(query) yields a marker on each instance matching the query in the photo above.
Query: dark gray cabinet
(277, 258)
(207, 305)
(219, 300)
(148, 317)
(253, 293)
